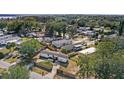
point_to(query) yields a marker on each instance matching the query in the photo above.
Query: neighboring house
(54, 55)
(78, 47)
(61, 43)
(1, 33)
(48, 39)
(9, 39)
(89, 33)
(68, 47)
(88, 51)
(31, 34)
(80, 29)
(98, 28)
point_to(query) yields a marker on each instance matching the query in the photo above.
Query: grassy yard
(46, 64)
(5, 51)
(71, 68)
(39, 71)
(11, 60)
(24, 39)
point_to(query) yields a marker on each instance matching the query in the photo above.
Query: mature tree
(109, 60)
(1, 55)
(81, 22)
(110, 68)
(121, 29)
(71, 30)
(106, 48)
(17, 72)
(29, 48)
(86, 67)
(2, 24)
(10, 46)
(58, 27)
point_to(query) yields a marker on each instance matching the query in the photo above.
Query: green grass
(11, 60)
(39, 71)
(46, 63)
(5, 51)
(24, 39)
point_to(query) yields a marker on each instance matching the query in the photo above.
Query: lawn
(11, 60)
(5, 51)
(24, 39)
(46, 64)
(39, 71)
(71, 68)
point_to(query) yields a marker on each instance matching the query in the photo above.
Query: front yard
(11, 59)
(45, 64)
(72, 67)
(39, 71)
(4, 51)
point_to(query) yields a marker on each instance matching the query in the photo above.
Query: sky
(61, 6)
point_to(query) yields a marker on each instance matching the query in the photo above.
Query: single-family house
(60, 57)
(31, 34)
(61, 43)
(78, 47)
(9, 39)
(1, 33)
(88, 51)
(80, 29)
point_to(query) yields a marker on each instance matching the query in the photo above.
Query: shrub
(1, 55)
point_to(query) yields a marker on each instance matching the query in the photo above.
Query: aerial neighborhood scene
(62, 46)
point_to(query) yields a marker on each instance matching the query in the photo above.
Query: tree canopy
(17, 72)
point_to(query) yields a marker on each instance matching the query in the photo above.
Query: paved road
(4, 64)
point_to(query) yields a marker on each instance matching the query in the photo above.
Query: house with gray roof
(9, 39)
(61, 43)
(1, 33)
(60, 57)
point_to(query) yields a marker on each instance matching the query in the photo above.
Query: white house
(88, 51)
(52, 54)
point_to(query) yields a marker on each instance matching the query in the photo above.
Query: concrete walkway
(51, 75)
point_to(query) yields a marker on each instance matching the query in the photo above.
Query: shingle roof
(55, 53)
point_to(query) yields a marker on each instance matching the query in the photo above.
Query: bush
(1, 55)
